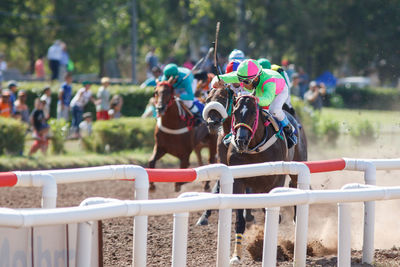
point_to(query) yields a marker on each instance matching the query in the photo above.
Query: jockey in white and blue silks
(183, 86)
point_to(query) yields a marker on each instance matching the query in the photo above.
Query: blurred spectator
(152, 81)
(54, 55)
(3, 67)
(303, 82)
(40, 128)
(12, 86)
(315, 95)
(188, 63)
(150, 111)
(85, 127)
(103, 100)
(203, 84)
(21, 107)
(295, 88)
(63, 61)
(290, 71)
(116, 106)
(39, 68)
(46, 96)
(151, 61)
(64, 98)
(78, 103)
(5, 105)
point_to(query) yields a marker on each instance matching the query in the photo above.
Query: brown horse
(174, 132)
(217, 114)
(253, 141)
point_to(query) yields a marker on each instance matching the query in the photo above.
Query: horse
(217, 114)
(175, 132)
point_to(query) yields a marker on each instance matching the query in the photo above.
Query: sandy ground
(322, 234)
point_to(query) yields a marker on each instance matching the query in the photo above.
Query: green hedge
(135, 98)
(369, 98)
(121, 134)
(12, 136)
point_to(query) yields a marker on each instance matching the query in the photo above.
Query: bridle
(172, 99)
(253, 128)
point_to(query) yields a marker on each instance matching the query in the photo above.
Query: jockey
(266, 64)
(183, 87)
(269, 87)
(236, 54)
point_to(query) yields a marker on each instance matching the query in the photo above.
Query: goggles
(247, 81)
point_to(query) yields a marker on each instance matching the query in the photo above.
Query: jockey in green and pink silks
(267, 85)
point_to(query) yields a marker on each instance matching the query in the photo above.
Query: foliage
(370, 98)
(335, 101)
(361, 34)
(121, 134)
(59, 132)
(12, 136)
(330, 129)
(364, 132)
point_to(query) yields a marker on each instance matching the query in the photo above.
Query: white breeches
(276, 106)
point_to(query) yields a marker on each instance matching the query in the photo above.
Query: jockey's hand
(219, 84)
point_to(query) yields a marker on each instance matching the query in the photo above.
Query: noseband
(255, 124)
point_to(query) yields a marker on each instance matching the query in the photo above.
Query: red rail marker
(8, 179)
(171, 175)
(326, 165)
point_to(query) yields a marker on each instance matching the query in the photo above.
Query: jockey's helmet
(249, 69)
(264, 63)
(171, 70)
(236, 54)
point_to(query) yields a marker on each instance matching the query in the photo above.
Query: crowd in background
(71, 107)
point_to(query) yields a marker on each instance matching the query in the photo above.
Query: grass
(386, 121)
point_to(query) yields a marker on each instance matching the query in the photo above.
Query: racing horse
(175, 132)
(217, 114)
(254, 140)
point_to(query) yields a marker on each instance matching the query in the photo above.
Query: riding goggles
(247, 80)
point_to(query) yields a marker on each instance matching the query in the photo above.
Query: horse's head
(163, 97)
(218, 107)
(244, 121)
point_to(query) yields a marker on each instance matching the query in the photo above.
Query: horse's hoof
(152, 188)
(235, 260)
(202, 221)
(178, 187)
(250, 218)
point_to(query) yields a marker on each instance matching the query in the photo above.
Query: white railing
(49, 179)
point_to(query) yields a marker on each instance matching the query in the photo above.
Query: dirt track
(202, 240)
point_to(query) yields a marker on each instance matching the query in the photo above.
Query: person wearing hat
(314, 95)
(21, 107)
(268, 86)
(40, 128)
(78, 103)
(182, 80)
(5, 105)
(103, 100)
(85, 127)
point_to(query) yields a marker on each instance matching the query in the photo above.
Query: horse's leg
(157, 154)
(183, 165)
(240, 226)
(203, 220)
(293, 184)
(247, 213)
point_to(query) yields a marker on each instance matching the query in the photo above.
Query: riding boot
(289, 132)
(196, 110)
